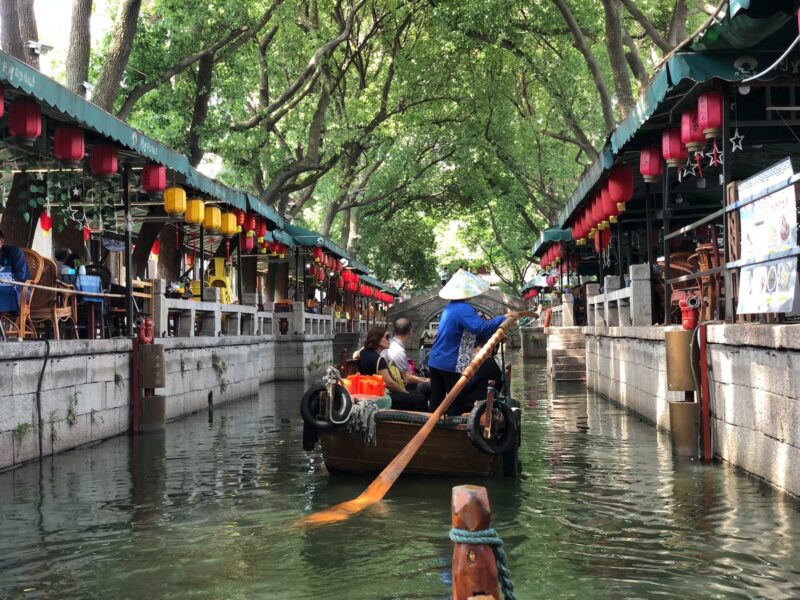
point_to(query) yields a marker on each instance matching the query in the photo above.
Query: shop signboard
(768, 232)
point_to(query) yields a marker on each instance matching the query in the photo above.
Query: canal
(209, 510)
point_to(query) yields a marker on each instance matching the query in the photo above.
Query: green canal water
(209, 510)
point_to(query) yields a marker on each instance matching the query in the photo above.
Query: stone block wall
(629, 366)
(534, 342)
(86, 395)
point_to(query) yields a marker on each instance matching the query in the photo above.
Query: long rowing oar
(383, 482)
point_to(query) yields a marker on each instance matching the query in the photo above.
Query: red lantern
(610, 210)
(156, 249)
(103, 161)
(46, 222)
(261, 228)
(672, 147)
(650, 164)
(320, 274)
(87, 233)
(602, 240)
(316, 252)
(68, 145)
(154, 179)
(25, 121)
(248, 241)
(620, 186)
(240, 216)
(709, 113)
(189, 259)
(250, 223)
(691, 132)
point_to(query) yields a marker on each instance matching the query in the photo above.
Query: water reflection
(209, 508)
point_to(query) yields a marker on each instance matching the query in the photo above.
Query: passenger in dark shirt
(13, 259)
(370, 362)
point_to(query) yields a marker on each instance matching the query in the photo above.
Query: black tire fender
(311, 404)
(510, 433)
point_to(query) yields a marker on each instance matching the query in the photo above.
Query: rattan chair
(50, 306)
(20, 325)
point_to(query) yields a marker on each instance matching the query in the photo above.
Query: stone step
(571, 362)
(566, 352)
(565, 345)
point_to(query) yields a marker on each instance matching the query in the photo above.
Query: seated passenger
(370, 362)
(396, 353)
(312, 305)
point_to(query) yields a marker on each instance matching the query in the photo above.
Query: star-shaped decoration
(736, 141)
(58, 185)
(720, 161)
(39, 176)
(75, 191)
(689, 168)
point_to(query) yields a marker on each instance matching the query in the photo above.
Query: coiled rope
(490, 538)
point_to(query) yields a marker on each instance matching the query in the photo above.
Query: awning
(306, 237)
(551, 236)
(281, 236)
(265, 210)
(745, 24)
(381, 286)
(539, 281)
(18, 75)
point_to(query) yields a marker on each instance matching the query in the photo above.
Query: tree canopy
(375, 121)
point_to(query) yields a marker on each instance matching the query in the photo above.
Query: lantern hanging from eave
(320, 274)
(227, 224)
(25, 121)
(46, 221)
(189, 260)
(250, 222)
(103, 161)
(597, 218)
(672, 148)
(212, 219)
(154, 179)
(691, 132)
(602, 240)
(650, 165)
(248, 241)
(620, 186)
(261, 228)
(316, 252)
(608, 209)
(709, 113)
(68, 145)
(195, 211)
(175, 201)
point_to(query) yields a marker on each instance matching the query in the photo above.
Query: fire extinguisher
(690, 312)
(144, 330)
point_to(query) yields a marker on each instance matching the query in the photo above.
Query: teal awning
(746, 24)
(589, 179)
(549, 237)
(28, 80)
(308, 238)
(538, 281)
(380, 285)
(357, 266)
(644, 108)
(281, 236)
(265, 210)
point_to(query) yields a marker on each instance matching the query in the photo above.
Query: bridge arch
(423, 308)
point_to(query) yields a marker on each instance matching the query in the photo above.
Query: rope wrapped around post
(479, 561)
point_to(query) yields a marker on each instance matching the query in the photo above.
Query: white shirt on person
(396, 352)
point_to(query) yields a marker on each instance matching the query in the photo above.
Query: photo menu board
(768, 227)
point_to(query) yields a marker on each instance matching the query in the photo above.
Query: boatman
(459, 327)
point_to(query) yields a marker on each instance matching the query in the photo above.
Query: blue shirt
(459, 326)
(13, 259)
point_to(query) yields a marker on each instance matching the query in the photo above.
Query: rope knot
(489, 537)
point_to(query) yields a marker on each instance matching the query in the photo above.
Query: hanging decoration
(693, 137)
(212, 219)
(174, 201)
(620, 186)
(736, 141)
(195, 211)
(154, 179)
(650, 164)
(227, 224)
(25, 121)
(69, 145)
(103, 161)
(710, 108)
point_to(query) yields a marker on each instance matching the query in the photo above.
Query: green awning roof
(28, 80)
(745, 24)
(281, 236)
(357, 266)
(551, 236)
(380, 285)
(538, 281)
(306, 237)
(265, 210)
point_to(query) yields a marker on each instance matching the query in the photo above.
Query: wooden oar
(383, 482)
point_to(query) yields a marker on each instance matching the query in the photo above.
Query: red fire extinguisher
(690, 312)
(144, 330)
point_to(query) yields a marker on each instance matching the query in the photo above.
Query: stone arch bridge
(424, 309)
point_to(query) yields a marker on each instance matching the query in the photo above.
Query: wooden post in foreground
(474, 566)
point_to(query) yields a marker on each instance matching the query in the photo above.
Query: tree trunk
(169, 256)
(591, 62)
(635, 61)
(616, 55)
(677, 28)
(16, 230)
(80, 46)
(28, 31)
(345, 237)
(10, 37)
(353, 236)
(119, 52)
(205, 73)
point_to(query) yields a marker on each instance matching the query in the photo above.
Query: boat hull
(447, 451)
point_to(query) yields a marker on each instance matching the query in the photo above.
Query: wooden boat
(447, 451)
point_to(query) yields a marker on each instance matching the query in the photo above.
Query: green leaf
(27, 217)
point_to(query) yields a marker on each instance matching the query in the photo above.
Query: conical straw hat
(463, 285)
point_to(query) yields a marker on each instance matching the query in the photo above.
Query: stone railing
(621, 307)
(562, 314)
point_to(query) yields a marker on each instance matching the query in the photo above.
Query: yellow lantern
(175, 201)
(195, 211)
(228, 225)
(213, 219)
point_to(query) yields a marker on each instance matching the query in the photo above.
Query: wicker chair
(20, 325)
(49, 306)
